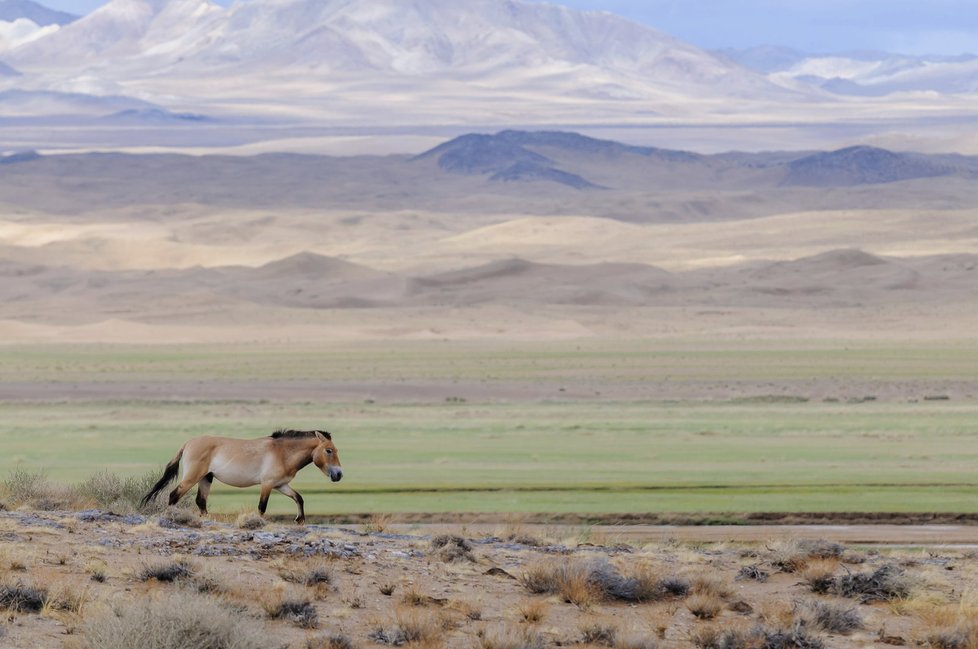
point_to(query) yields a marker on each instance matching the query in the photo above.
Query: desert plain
(537, 385)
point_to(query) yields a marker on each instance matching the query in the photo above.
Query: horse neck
(299, 451)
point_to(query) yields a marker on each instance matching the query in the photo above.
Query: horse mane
(284, 433)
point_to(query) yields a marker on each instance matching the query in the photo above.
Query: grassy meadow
(602, 427)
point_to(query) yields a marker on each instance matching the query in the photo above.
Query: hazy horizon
(943, 27)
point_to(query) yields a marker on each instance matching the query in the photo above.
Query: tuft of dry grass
(820, 575)
(250, 521)
(468, 609)
(378, 523)
(796, 636)
(299, 612)
(414, 597)
(175, 517)
(584, 582)
(330, 641)
(22, 598)
(829, 616)
(409, 626)
(635, 641)
(704, 606)
(961, 636)
(712, 637)
(533, 611)
(596, 633)
(25, 487)
(388, 589)
(450, 549)
(172, 621)
(510, 638)
(886, 583)
(167, 571)
(120, 495)
(709, 585)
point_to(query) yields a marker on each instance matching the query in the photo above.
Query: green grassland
(772, 442)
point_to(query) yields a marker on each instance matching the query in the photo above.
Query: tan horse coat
(271, 462)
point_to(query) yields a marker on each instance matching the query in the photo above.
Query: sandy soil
(480, 592)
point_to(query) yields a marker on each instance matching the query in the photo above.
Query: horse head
(326, 458)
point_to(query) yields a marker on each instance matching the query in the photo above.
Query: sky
(906, 26)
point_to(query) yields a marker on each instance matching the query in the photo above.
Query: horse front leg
(266, 491)
(294, 495)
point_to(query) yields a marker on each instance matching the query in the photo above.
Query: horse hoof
(300, 521)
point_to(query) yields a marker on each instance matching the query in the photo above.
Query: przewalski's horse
(271, 462)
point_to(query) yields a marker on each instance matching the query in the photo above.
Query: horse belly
(236, 471)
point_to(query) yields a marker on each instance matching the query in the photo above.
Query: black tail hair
(168, 475)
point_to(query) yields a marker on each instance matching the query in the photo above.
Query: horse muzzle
(335, 474)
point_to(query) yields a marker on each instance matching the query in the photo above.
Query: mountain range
(420, 64)
(862, 73)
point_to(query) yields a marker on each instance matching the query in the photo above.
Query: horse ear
(322, 438)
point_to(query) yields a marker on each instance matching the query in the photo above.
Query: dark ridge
(588, 145)
(155, 115)
(20, 156)
(477, 153)
(298, 434)
(860, 165)
(530, 171)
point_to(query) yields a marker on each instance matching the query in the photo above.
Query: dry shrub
(120, 495)
(167, 571)
(451, 549)
(174, 517)
(820, 576)
(704, 606)
(635, 641)
(830, 617)
(795, 637)
(250, 521)
(753, 572)
(414, 597)
(184, 620)
(602, 634)
(299, 612)
(709, 585)
(573, 581)
(510, 638)
(22, 598)
(25, 487)
(330, 641)
(884, 584)
(308, 576)
(468, 609)
(794, 555)
(388, 589)
(409, 626)
(821, 549)
(378, 523)
(712, 637)
(962, 636)
(533, 611)
(586, 581)
(67, 599)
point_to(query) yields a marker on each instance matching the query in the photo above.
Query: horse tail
(168, 475)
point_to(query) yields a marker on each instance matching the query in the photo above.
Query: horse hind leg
(191, 476)
(294, 495)
(203, 491)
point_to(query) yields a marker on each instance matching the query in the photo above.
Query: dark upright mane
(298, 434)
